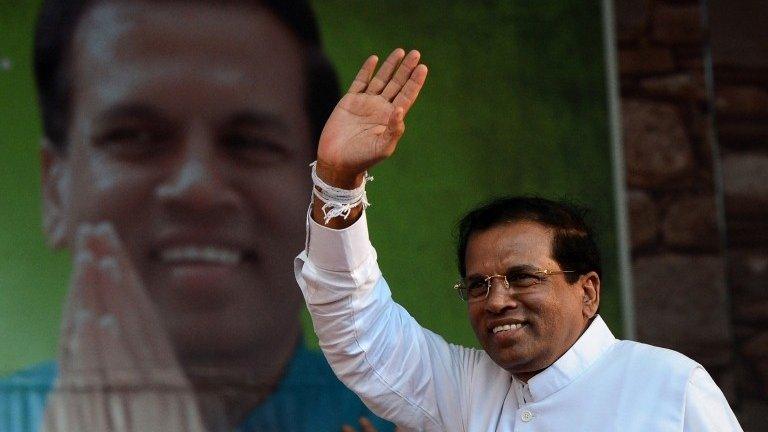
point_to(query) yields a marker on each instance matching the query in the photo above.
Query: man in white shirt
(531, 278)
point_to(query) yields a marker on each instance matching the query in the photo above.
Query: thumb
(395, 128)
(396, 124)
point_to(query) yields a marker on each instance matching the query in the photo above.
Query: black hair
(573, 241)
(56, 26)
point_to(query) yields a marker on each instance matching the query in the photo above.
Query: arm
(404, 373)
(705, 406)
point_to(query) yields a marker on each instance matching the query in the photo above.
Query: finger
(142, 335)
(104, 347)
(347, 428)
(128, 293)
(182, 407)
(401, 76)
(411, 89)
(366, 425)
(116, 363)
(122, 366)
(364, 75)
(80, 350)
(81, 260)
(384, 74)
(93, 407)
(57, 414)
(78, 359)
(74, 411)
(81, 274)
(395, 128)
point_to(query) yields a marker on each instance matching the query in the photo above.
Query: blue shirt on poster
(308, 398)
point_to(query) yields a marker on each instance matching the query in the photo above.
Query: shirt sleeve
(403, 372)
(706, 408)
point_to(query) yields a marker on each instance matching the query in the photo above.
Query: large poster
(515, 103)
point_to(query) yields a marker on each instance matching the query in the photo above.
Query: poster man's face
(189, 134)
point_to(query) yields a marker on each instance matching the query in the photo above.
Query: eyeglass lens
(477, 287)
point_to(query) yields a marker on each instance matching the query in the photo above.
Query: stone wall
(697, 181)
(677, 254)
(739, 40)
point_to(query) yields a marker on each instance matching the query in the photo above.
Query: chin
(512, 359)
(209, 339)
(510, 363)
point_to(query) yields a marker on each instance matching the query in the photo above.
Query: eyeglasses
(476, 288)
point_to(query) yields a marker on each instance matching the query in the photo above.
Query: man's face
(553, 314)
(189, 134)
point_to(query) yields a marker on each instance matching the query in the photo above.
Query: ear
(55, 181)
(590, 285)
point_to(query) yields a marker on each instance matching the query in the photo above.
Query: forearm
(374, 346)
(365, 335)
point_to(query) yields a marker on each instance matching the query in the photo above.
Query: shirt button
(526, 416)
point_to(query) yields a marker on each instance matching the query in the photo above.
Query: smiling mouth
(508, 327)
(206, 255)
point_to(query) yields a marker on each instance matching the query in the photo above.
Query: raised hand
(117, 369)
(367, 123)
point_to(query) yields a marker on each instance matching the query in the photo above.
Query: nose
(199, 181)
(500, 296)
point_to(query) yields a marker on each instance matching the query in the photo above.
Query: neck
(227, 389)
(525, 376)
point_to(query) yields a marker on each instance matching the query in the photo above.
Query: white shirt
(417, 380)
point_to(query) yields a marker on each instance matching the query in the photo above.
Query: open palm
(367, 123)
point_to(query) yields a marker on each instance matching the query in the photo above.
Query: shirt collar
(587, 349)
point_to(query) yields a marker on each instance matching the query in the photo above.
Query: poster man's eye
(255, 148)
(131, 142)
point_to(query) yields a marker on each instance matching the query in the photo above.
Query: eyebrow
(131, 110)
(258, 119)
(240, 119)
(511, 269)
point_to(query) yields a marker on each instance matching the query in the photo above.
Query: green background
(515, 104)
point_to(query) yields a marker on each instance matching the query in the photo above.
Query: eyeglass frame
(487, 281)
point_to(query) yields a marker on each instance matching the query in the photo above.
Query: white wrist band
(337, 201)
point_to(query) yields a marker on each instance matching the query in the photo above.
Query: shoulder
(23, 395)
(37, 377)
(309, 367)
(649, 357)
(457, 357)
(653, 353)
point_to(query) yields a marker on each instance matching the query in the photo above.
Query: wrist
(342, 179)
(340, 203)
